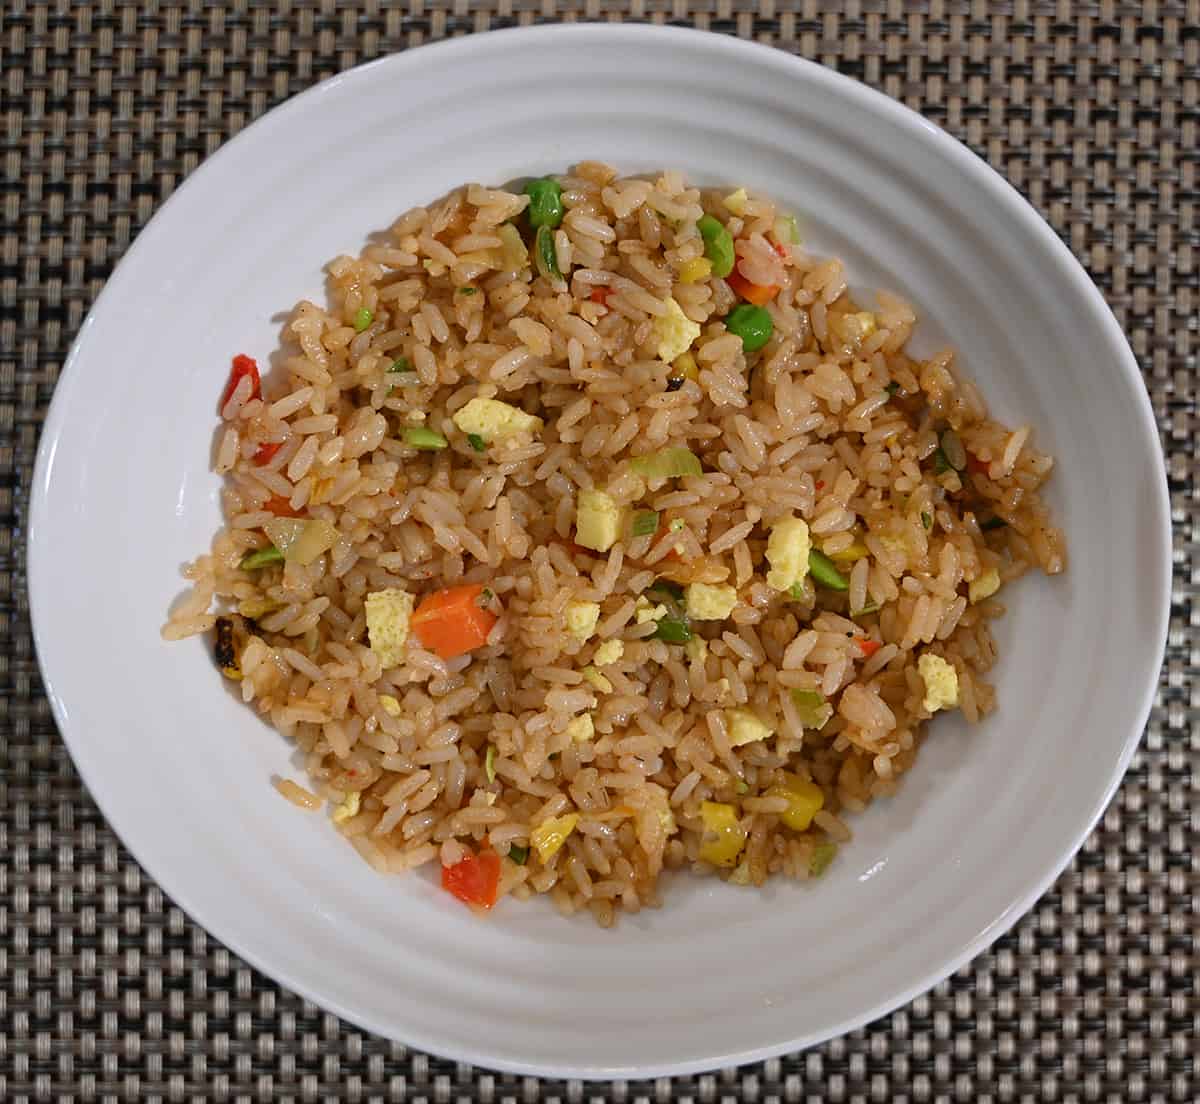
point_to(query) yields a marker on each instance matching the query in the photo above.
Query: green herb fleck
(489, 763)
(870, 607)
(362, 319)
(518, 854)
(476, 442)
(940, 464)
(467, 290)
(926, 520)
(893, 388)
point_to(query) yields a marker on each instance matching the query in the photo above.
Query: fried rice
(568, 555)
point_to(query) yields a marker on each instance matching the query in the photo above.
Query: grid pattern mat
(109, 993)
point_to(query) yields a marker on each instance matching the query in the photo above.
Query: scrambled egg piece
(582, 728)
(674, 332)
(745, 727)
(696, 649)
(941, 683)
(581, 618)
(644, 611)
(788, 547)
(608, 652)
(736, 201)
(865, 323)
(494, 420)
(388, 614)
(985, 586)
(594, 678)
(348, 808)
(710, 603)
(597, 521)
(695, 271)
(390, 705)
(551, 834)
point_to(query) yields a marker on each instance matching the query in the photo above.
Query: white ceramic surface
(123, 496)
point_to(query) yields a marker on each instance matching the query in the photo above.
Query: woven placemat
(109, 993)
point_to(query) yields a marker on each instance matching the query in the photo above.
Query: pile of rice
(806, 427)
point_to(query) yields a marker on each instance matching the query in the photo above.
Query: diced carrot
(758, 294)
(266, 452)
(451, 622)
(867, 646)
(977, 466)
(820, 484)
(474, 879)
(600, 295)
(781, 249)
(243, 366)
(281, 507)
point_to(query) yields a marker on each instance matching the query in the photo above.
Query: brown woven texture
(109, 993)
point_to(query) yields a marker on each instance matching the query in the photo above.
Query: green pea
(362, 319)
(545, 202)
(718, 245)
(545, 255)
(752, 324)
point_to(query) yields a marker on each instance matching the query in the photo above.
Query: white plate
(123, 496)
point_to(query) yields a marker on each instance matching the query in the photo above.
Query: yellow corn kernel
(804, 799)
(852, 553)
(348, 808)
(695, 271)
(390, 705)
(551, 834)
(724, 837)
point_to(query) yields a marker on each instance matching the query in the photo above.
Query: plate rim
(790, 67)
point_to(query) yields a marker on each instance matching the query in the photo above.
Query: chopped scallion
(489, 763)
(518, 854)
(252, 561)
(953, 450)
(926, 520)
(667, 463)
(673, 631)
(421, 437)
(476, 442)
(824, 572)
(544, 254)
(821, 857)
(645, 522)
(892, 388)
